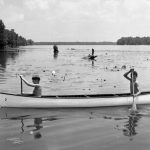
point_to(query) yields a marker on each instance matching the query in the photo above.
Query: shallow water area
(76, 129)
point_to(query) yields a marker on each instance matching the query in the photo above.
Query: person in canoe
(92, 52)
(134, 86)
(37, 92)
(92, 56)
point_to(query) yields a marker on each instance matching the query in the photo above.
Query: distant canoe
(71, 101)
(92, 56)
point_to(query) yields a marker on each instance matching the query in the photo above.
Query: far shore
(75, 43)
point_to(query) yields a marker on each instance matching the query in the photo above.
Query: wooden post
(21, 87)
(134, 103)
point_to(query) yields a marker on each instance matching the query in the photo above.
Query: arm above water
(127, 73)
(28, 83)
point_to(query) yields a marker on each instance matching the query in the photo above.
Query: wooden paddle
(134, 108)
(21, 86)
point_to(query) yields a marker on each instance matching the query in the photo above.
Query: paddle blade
(134, 105)
(133, 110)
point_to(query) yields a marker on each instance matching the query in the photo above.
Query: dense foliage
(134, 41)
(11, 38)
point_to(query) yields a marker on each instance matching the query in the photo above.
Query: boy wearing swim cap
(37, 92)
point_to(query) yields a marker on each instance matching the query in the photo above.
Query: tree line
(9, 38)
(134, 41)
(74, 43)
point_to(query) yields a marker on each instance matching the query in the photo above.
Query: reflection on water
(93, 62)
(72, 128)
(37, 123)
(5, 56)
(22, 126)
(38, 126)
(55, 55)
(130, 126)
(3, 59)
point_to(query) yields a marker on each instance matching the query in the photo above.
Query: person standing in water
(133, 82)
(91, 56)
(92, 52)
(134, 86)
(37, 92)
(55, 48)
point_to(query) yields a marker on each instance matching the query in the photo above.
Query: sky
(76, 20)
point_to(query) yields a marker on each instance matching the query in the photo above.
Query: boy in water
(134, 86)
(37, 92)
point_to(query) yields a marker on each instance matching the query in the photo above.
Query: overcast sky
(76, 20)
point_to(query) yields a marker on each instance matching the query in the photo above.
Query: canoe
(71, 101)
(91, 57)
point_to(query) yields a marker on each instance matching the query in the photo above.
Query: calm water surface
(75, 129)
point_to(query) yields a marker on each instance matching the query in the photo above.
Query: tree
(3, 40)
(134, 41)
(11, 38)
(30, 42)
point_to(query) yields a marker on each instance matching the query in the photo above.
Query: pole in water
(134, 108)
(21, 87)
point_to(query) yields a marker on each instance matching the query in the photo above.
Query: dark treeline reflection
(5, 56)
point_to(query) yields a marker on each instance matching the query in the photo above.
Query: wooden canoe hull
(12, 100)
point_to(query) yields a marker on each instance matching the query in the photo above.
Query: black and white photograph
(74, 74)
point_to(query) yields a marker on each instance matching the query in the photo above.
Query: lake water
(75, 129)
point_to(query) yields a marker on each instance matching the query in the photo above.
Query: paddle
(134, 108)
(21, 86)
